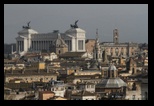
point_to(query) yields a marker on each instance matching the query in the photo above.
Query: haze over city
(130, 19)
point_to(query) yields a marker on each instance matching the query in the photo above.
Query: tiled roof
(84, 93)
(83, 76)
(29, 72)
(86, 83)
(138, 75)
(72, 54)
(45, 92)
(111, 83)
(19, 85)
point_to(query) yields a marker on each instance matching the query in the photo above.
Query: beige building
(131, 66)
(30, 76)
(88, 72)
(115, 48)
(38, 65)
(90, 43)
(45, 95)
(84, 95)
(133, 91)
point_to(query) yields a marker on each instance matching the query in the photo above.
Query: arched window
(134, 86)
(59, 51)
(133, 97)
(41, 79)
(116, 51)
(112, 73)
(99, 55)
(122, 51)
(96, 56)
(111, 49)
(111, 53)
(132, 70)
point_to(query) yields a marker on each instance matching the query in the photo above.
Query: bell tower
(115, 36)
(97, 51)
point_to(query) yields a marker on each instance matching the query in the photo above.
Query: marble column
(36, 45)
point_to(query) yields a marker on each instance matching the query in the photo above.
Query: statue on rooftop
(26, 27)
(28, 24)
(75, 25)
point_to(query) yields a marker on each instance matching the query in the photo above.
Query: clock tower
(115, 36)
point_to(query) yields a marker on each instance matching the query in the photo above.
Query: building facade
(30, 40)
(115, 49)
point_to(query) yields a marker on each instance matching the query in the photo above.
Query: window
(69, 43)
(133, 97)
(88, 86)
(134, 86)
(111, 49)
(116, 50)
(133, 71)
(96, 56)
(92, 86)
(80, 44)
(111, 53)
(105, 74)
(108, 73)
(112, 73)
(116, 54)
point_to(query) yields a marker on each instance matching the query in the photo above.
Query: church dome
(27, 31)
(75, 30)
(60, 42)
(112, 67)
(111, 83)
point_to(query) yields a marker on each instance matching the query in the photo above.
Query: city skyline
(106, 17)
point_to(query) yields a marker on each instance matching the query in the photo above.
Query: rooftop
(29, 73)
(72, 54)
(111, 83)
(84, 93)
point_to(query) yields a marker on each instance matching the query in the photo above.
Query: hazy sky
(130, 19)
